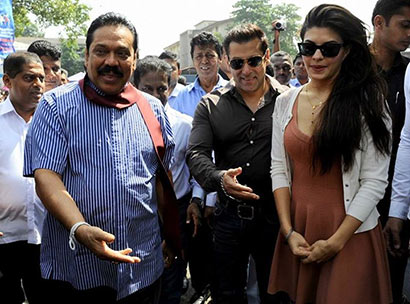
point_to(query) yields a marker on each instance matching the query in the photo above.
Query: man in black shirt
(235, 122)
(391, 21)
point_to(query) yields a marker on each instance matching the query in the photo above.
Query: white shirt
(363, 185)
(21, 211)
(181, 125)
(400, 197)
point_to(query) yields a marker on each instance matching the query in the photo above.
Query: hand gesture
(193, 213)
(235, 189)
(97, 240)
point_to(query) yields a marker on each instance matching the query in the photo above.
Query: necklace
(314, 106)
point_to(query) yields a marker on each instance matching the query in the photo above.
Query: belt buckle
(246, 212)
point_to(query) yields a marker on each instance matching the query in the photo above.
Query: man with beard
(21, 212)
(95, 166)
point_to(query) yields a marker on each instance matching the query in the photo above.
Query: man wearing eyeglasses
(282, 67)
(235, 122)
(391, 21)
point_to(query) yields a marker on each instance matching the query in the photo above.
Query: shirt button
(347, 200)
(346, 185)
(251, 142)
(253, 118)
(248, 164)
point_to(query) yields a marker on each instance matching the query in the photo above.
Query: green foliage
(71, 15)
(219, 37)
(31, 30)
(72, 60)
(262, 13)
(288, 12)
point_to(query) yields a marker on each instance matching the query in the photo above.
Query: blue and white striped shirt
(107, 162)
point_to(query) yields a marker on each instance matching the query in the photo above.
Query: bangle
(223, 188)
(289, 234)
(71, 239)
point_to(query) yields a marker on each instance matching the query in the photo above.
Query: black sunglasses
(238, 63)
(328, 49)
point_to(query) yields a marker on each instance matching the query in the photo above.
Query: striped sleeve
(47, 146)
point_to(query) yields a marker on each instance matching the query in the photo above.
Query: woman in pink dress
(330, 157)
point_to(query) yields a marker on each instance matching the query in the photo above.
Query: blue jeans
(234, 240)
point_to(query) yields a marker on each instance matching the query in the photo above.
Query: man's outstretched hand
(97, 240)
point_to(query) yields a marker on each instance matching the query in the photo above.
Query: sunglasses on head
(238, 63)
(328, 49)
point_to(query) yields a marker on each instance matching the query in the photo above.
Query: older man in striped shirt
(95, 165)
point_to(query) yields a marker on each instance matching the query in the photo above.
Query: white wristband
(71, 239)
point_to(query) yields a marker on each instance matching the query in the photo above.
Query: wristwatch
(198, 201)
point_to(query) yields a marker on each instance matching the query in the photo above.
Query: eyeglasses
(208, 56)
(328, 49)
(238, 63)
(285, 67)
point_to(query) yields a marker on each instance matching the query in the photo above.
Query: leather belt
(243, 210)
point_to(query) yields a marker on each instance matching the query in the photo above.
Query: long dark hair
(357, 100)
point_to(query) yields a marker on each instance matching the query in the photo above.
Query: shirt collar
(221, 82)
(6, 107)
(176, 90)
(275, 88)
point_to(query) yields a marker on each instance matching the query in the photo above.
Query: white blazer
(363, 185)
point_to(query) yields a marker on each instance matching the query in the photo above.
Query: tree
(72, 59)
(71, 15)
(262, 13)
(288, 38)
(32, 31)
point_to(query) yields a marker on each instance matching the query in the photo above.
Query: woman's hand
(298, 245)
(322, 251)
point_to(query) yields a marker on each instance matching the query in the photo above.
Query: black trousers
(20, 262)
(234, 240)
(172, 277)
(64, 293)
(398, 265)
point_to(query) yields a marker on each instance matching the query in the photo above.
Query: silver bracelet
(289, 234)
(224, 190)
(71, 239)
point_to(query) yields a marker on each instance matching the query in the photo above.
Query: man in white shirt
(153, 76)
(21, 212)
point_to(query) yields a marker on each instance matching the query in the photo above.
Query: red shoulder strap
(167, 200)
(152, 124)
